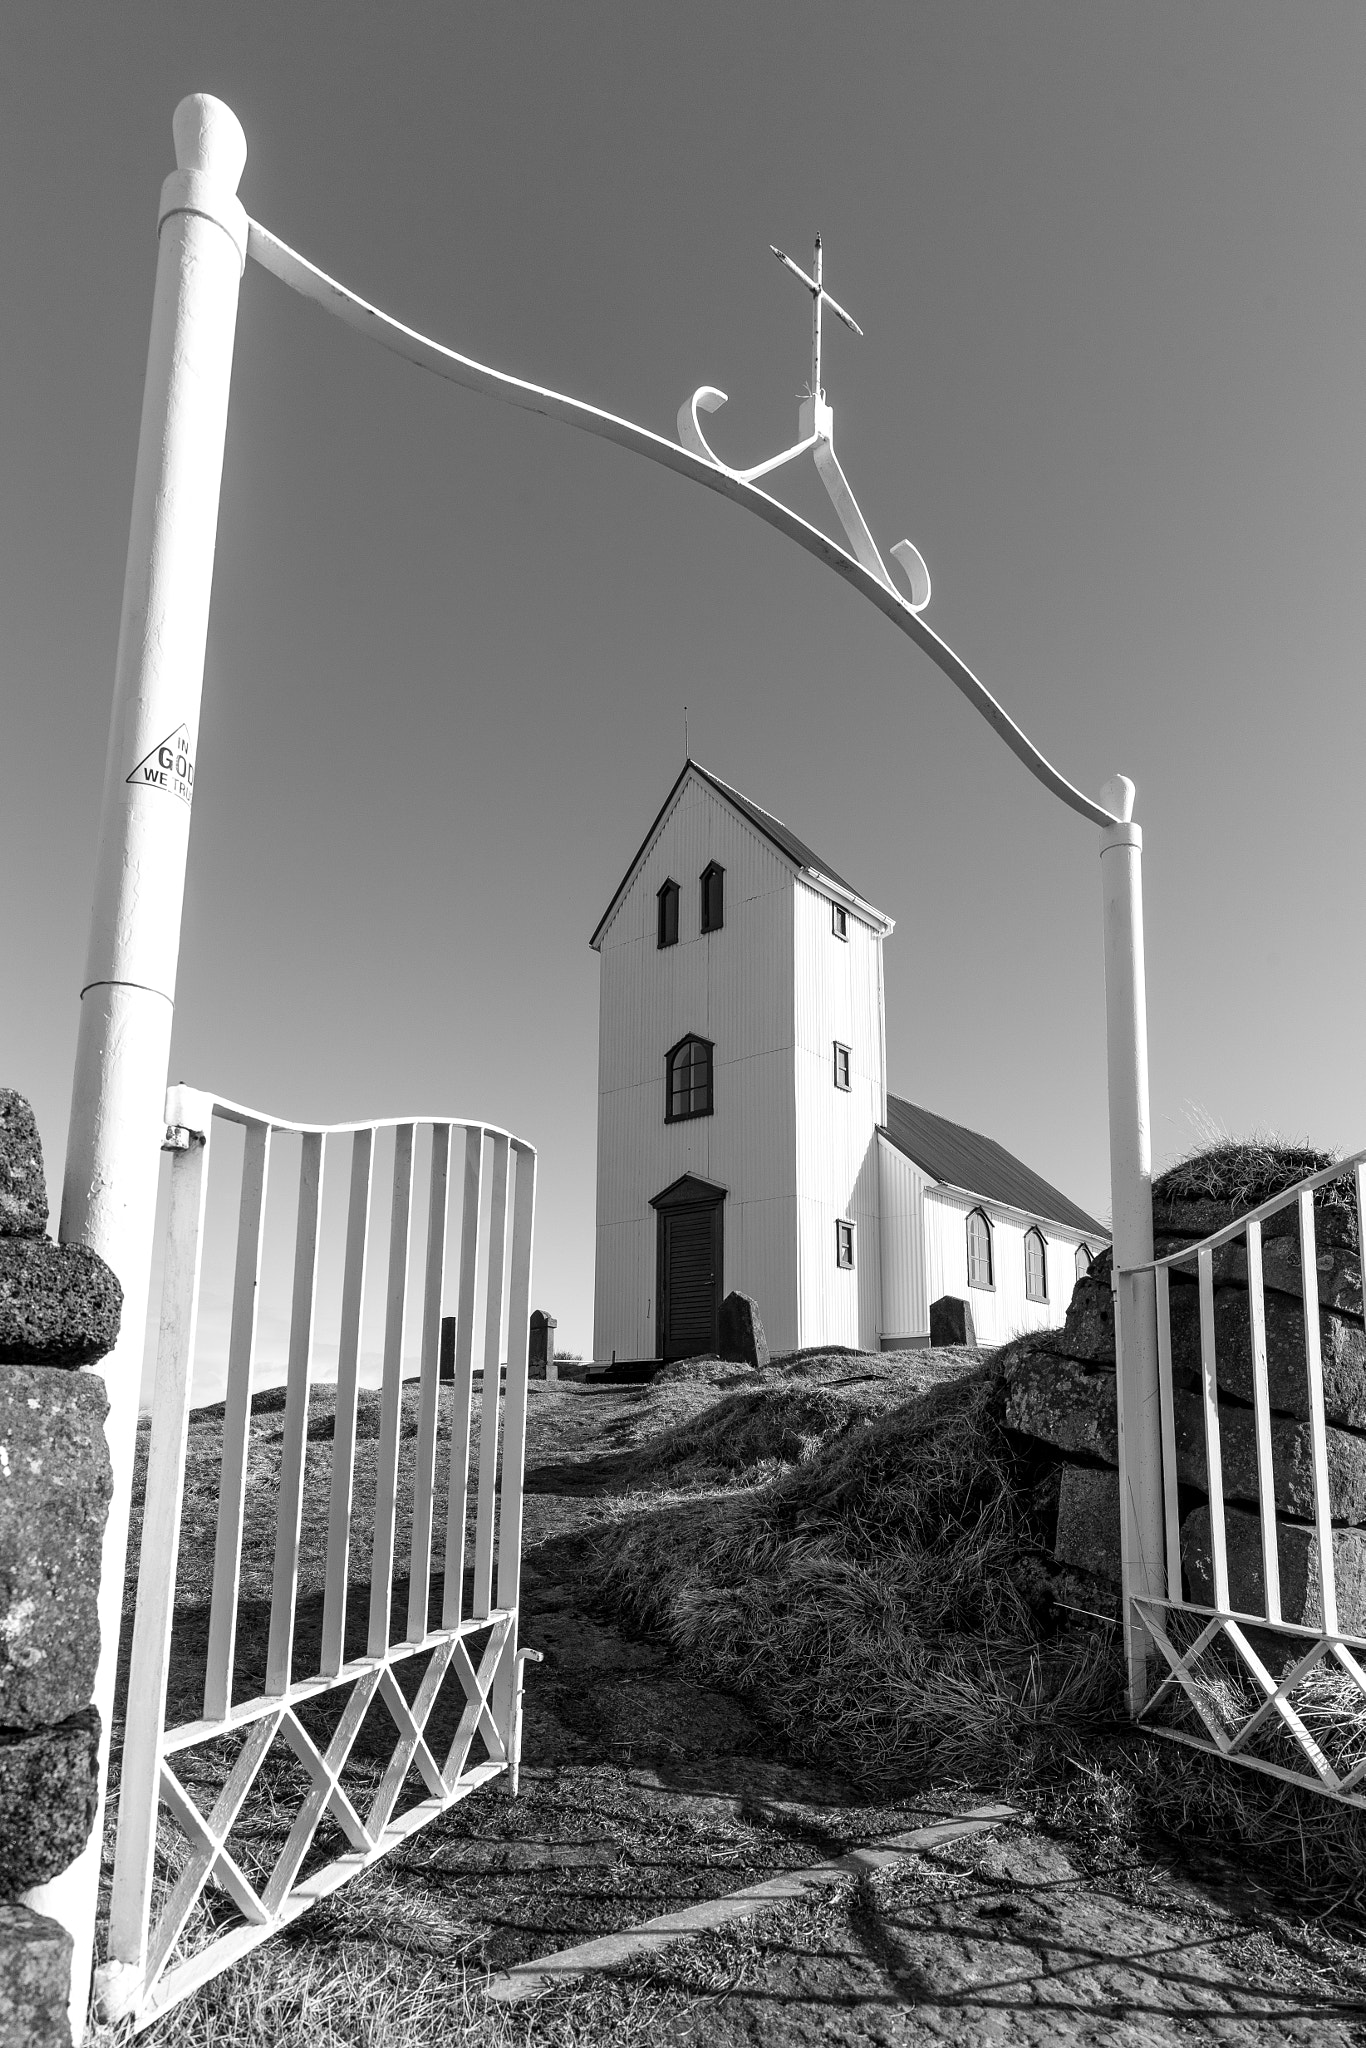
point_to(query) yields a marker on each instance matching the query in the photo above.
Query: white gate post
(1131, 1208)
(118, 1093)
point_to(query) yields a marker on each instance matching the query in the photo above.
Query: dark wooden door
(689, 1279)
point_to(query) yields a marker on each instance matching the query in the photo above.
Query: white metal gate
(205, 1867)
(1282, 1695)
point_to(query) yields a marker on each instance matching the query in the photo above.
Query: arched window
(980, 1271)
(1084, 1261)
(668, 914)
(1036, 1266)
(687, 1086)
(713, 897)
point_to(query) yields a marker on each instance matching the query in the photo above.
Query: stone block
(1334, 1223)
(1089, 1329)
(1297, 1562)
(23, 1188)
(35, 1980)
(1057, 1401)
(741, 1331)
(49, 1779)
(951, 1322)
(54, 1496)
(1088, 1522)
(59, 1303)
(1342, 1346)
(1291, 1459)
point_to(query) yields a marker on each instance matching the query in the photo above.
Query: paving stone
(35, 1980)
(49, 1779)
(741, 1331)
(1058, 1401)
(1291, 1460)
(23, 1187)
(54, 1495)
(1088, 1522)
(1297, 1562)
(59, 1303)
(1342, 1346)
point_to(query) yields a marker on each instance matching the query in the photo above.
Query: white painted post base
(118, 1092)
(1131, 1197)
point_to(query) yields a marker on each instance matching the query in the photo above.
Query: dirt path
(644, 1792)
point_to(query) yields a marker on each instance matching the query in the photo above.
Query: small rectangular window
(844, 1246)
(841, 1065)
(839, 921)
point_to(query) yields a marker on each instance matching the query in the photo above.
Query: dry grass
(885, 1600)
(1240, 1174)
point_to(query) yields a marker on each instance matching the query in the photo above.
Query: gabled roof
(978, 1166)
(771, 828)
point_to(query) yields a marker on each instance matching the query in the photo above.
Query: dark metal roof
(773, 829)
(963, 1159)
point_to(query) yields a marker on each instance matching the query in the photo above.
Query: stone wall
(59, 1310)
(1060, 1394)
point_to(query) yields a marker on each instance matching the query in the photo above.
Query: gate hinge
(179, 1138)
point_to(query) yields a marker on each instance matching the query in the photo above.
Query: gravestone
(741, 1332)
(951, 1321)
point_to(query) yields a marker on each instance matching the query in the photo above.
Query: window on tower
(713, 897)
(687, 1084)
(668, 914)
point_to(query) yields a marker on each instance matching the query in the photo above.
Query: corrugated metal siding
(836, 996)
(1000, 1312)
(902, 1186)
(730, 986)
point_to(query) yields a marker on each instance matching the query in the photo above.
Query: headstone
(541, 1354)
(446, 1355)
(741, 1332)
(951, 1321)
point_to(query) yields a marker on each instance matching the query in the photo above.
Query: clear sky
(1111, 264)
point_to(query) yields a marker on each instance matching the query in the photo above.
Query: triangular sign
(169, 766)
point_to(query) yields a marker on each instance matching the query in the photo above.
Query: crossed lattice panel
(1307, 1725)
(371, 1828)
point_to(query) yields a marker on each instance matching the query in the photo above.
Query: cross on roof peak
(819, 297)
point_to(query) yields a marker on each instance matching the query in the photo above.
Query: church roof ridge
(959, 1158)
(773, 829)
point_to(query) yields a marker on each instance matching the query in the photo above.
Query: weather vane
(816, 424)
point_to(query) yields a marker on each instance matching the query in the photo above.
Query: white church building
(746, 1138)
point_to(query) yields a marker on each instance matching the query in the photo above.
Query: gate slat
(140, 1786)
(424, 1471)
(232, 1485)
(458, 1486)
(1167, 1418)
(1261, 1406)
(344, 1431)
(515, 1405)
(1318, 1433)
(488, 1420)
(1214, 1466)
(391, 1397)
(289, 1517)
